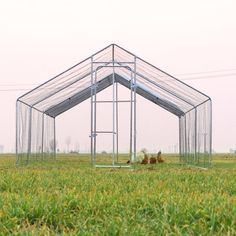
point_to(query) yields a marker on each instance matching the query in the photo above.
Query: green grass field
(67, 196)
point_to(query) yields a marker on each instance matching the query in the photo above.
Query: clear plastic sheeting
(37, 110)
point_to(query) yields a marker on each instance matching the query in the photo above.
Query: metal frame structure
(36, 110)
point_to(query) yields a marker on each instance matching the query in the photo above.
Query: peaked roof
(73, 86)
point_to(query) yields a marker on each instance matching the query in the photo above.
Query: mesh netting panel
(71, 90)
(49, 140)
(153, 87)
(190, 134)
(35, 134)
(195, 136)
(162, 82)
(204, 139)
(22, 132)
(65, 80)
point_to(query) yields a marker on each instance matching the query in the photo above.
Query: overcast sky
(40, 39)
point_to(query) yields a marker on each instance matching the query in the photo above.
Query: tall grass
(67, 196)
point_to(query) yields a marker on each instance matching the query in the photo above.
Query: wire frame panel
(196, 135)
(37, 109)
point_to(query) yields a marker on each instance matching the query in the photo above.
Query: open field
(67, 196)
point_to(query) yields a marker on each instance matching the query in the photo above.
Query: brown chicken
(159, 158)
(153, 160)
(145, 160)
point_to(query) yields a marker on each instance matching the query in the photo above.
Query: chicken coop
(37, 110)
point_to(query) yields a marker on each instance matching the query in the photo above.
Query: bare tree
(68, 142)
(51, 145)
(77, 147)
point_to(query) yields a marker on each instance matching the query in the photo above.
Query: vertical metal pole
(91, 127)
(117, 125)
(180, 141)
(135, 109)
(185, 140)
(17, 114)
(29, 135)
(195, 139)
(131, 117)
(113, 116)
(205, 134)
(113, 54)
(42, 135)
(116, 106)
(113, 108)
(54, 137)
(95, 120)
(210, 133)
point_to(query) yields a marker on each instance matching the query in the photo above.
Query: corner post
(29, 134)
(210, 151)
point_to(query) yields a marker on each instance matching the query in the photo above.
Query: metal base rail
(112, 166)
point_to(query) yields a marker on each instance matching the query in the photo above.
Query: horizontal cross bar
(104, 132)
(104, 166)
(107, 62)
(112, 101)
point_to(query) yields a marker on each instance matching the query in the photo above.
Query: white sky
(39, 39)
